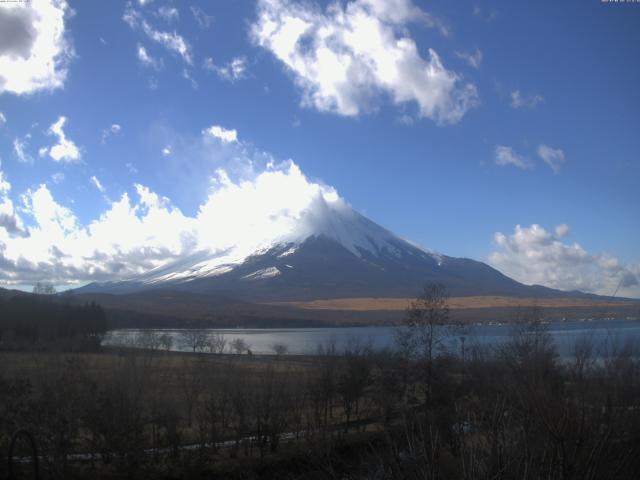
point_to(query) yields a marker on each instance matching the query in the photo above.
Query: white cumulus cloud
(554, 157)
(534, 255)
(562, 230)
(202, 19)
(34, 50)
(65, 150)
(20, 146)
(10, 223)
(114, 129)
(473, 59)
(128, 237)
(96, 183)
(507, 156)
(239, 214)
(232, 71)
(221, 133)
(5, 186)
(521, 100)
(346, 58)
(169, 14)
(147, 60)
(172, 41)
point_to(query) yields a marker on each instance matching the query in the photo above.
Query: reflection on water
(606, 335)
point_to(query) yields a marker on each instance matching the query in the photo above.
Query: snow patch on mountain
(335, 219)
(288, 252)
(263, 273)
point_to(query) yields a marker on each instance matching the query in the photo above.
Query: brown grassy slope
(455, 303)
(177, 309)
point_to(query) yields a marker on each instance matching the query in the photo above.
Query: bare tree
(216, 343)
(424, 330)
(196, 340)
(425, 318)
(148, 340)
(354, 378)
(166, 341)
(280, 348)
(192, 384)
(323, 384)
(239, 345)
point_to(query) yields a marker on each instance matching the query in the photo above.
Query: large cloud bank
(34, 51)
(345, 58)
(534, 255)
(144, 230)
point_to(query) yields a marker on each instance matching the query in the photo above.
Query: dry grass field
(37, 366)
(166, 309)
(455, 303)
(167, 415)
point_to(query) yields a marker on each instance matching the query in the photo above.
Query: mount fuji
(328, 250)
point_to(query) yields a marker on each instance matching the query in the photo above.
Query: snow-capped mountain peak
(341, 223)
(288, 238)
(331, 219)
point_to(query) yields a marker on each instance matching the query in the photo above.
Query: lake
(607, 335)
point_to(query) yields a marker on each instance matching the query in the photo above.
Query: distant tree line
(44, 288)
(31, 319)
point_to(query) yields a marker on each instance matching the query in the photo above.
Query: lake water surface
(607, 335)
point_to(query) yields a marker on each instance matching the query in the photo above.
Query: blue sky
(500, 131)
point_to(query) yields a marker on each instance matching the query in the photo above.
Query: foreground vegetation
(513, 413)
(417, 412)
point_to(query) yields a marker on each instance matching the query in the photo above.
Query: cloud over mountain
(534, 255)
(145, 230)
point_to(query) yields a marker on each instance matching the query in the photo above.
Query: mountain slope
(334, 252)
